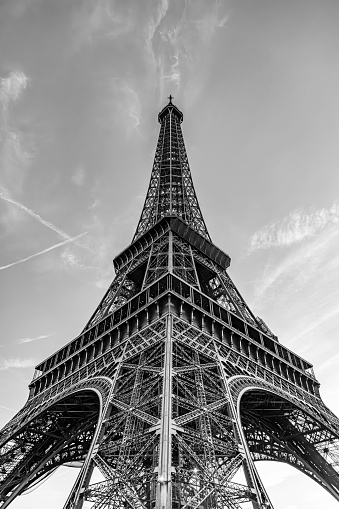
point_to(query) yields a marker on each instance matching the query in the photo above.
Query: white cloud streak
(134, 105)
(208, 24)
(126, 104)
(101, 19)
(176, 40)
(78, 178)
(303, 285)
(316, 321)
(70, 260)
(42, 252)
(328, 362)
(30, 340)
(301, 265)
(15, 362)
(42, 221)
(11, 88)
(294, 228)
(7, 408)
(14, 156)
(177, 56)
(153, 24)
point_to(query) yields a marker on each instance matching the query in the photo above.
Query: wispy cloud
(15, 362)
(78, 178)
(328, 362)
(11, 88)
(14, 154)
(295, 227)
(126, 104)
(212, 20)
(102, 239)
(30, 340)
(101, 19)
(162, 47)
(134, 105)
(103, 283)
(172, 67)
(153, 24)
(70, 260)
(20, 7)
(176, 41)
(301, 265)
(42, 221)
(303, 283)
(13, 149)
(42, 252)
(317, 320)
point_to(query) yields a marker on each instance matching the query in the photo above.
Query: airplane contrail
(33, 214)
(42, 252)
(29, 340)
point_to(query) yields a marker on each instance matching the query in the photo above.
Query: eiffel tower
(173, 385)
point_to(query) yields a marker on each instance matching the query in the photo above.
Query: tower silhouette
(174, 384)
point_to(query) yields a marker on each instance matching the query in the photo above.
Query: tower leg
(261, 499)
(164, 491)
(76, 497)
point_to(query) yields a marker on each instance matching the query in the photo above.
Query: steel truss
(174, 384)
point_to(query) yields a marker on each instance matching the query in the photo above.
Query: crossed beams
(58, 435)
(171, 190)
(205, 451)
(204, 455)
(276, 429)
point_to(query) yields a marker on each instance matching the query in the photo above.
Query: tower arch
(54, 432)
(279, 427)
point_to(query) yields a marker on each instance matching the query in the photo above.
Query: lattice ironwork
(171, 191)
(173, 385)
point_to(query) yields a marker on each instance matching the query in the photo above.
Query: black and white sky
(81, 84)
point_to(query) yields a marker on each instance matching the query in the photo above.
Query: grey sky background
(81, 84)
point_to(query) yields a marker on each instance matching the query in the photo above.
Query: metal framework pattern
(173, 385)
(171, 191)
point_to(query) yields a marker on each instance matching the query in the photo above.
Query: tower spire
(171, 191)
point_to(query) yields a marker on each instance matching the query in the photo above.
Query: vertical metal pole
(164, 492)
(170, 252)
(170, 155)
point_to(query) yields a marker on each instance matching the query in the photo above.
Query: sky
(81, 84)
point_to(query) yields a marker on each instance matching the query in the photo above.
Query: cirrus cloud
(21, 341)
(16, 362)
(11, 88)
(294, 228)
(16, 150)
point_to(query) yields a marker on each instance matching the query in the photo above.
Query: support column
(164, 491)
(170, 252)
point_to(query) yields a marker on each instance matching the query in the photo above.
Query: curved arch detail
(101, 385)
(286, 429)
(80, 428)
